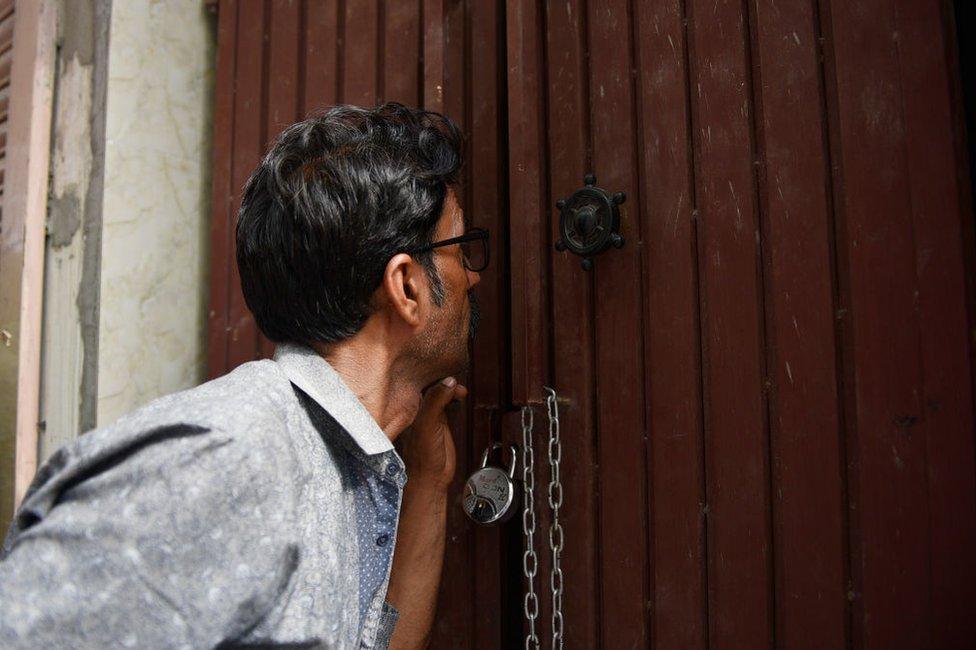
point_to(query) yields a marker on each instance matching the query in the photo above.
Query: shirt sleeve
(387, 623)
(165, 539)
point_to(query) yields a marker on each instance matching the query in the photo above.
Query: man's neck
(390, 396)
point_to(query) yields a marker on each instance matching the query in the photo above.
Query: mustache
(475, 314)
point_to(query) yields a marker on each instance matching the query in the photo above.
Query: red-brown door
(769, 428)
(766, 393)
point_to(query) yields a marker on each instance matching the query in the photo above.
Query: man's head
(326, 219)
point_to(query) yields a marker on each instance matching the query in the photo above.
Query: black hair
(334, 199)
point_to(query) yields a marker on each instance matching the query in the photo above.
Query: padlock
(489, 494)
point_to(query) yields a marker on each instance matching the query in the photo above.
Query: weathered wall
(73, 245)
(126, 258)
(157, 158)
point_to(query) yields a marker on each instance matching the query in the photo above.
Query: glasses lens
(475, 254)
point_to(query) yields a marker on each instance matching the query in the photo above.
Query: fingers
(460, 391)
(439, 395)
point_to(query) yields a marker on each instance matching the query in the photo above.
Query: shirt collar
(320, 381)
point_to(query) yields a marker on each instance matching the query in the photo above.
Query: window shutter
(6, 57)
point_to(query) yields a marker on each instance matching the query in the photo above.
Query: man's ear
(404, 287)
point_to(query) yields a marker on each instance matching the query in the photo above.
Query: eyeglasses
(474, 247)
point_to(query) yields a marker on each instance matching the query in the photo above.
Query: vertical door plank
(457, 593)
(672, 333)
(433, 52)
(527, 201)
(361, 55)
(457, 66)
(401, 52)
(619, 356)
(807, 465)
(249, 133)
(283, 80)
(948, 398)
(528, 242)
(221, 222)
(887, 449)
(572, 314)
(320, 86)
(484, 632)
(486, 209)
(452, 584)
(283, 66)
(738, 530)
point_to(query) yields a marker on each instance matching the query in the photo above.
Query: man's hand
(428, 446)
(428, 451)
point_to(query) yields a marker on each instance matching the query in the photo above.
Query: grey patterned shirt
(258, 509)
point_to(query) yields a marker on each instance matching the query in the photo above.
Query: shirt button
(382, 539)
(392, 469)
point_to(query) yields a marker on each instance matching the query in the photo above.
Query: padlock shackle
(498, 445)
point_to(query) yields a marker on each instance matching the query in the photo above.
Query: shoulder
(249, 408)
(230, 435)
(254, 392)
(250, 405)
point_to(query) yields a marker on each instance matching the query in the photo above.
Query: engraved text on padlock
(489, 495)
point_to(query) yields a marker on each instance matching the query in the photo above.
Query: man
(263, 508)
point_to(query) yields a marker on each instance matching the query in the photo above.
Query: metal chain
(556, 529)
(530, 561)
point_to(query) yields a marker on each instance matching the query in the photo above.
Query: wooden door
(769, 417)
(766, 394)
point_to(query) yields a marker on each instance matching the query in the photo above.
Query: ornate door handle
(589, 221)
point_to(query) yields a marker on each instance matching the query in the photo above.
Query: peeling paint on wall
(64, 218)
(68, 379)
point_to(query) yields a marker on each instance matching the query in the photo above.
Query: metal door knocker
(489, 495)
(589, 221)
